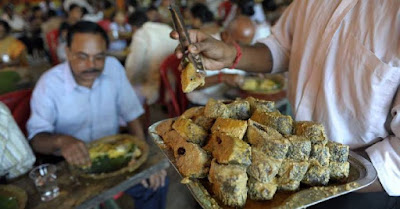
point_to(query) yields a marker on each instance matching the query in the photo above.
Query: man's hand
(74, 151)
(234, 80)
(216, 54)
(156, 180)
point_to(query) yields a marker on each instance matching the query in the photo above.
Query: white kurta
(343, 61)
(150, 45)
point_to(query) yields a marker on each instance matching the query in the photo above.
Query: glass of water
(45, 179)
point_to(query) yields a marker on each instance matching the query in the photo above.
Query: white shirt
(16, 156)
(343, 61)
(60, 105)
(150, 45)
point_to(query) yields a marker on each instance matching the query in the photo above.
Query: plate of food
(247, 154)
(114, 155)
(12, 197)
(269, 87)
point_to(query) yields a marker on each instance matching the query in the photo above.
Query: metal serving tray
(362, 174)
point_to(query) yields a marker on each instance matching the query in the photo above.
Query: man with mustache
(84, 99)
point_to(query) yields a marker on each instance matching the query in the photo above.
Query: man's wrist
(232, 56)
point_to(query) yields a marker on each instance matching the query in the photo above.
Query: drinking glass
(45, 179)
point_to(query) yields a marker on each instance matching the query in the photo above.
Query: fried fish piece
(320, 153)
(290, 174)
(339, 171)
(299, 148)
(190, 131)
(192, 161)
(263, 168)
(229, 183)
(172, 139)
(261, 191)
(282, 123)
(276, 148)
(229, 150)
(239, 109)
(164, 127)
(338, 152)
(316, 175)
(193, 112)
(190, 79)
(312, 130)
(289, 185)
(204, 122)
(230, 127)
(216, 109)
(258, 133)
(262, 105)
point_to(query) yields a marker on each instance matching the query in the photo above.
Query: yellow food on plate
(259, 84)
(190, 79)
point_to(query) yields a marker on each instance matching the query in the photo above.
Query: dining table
(81, 193)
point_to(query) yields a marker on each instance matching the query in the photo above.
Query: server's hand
(216, 54)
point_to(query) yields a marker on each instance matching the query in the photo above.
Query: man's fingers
(162, 179)
(84, 154)
(144, 183)
(174, 35)
(152, 181)
(197, 36)
(197, 48)
(178, 52)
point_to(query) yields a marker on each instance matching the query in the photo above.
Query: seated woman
(12, 51)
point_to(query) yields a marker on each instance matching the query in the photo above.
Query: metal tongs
(184, 39)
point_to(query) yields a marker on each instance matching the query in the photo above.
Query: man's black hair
(35, 9)
(247, 7)
(73, 6)
(86, 27)
(138, 18)
(202, 12)
(6, 26)
(51, 13)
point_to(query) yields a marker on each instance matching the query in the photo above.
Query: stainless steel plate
(362, 174)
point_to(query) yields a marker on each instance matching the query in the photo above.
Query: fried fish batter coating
(164, 127)
(216, 109)
(276, 148)
(172, 139)
(230, 127)
(339, 171)
(239, 109)
(263, 168)
(261, 191)
(229, 183)
(338, 152)
(190, 79)
(312, 130)
(320, 153)
(290, 174)
(190, 131)
(259, 134)
(316, 175)
(282, 123)
(229, 150)
(192, 161)
(263, 105)
(299, 148)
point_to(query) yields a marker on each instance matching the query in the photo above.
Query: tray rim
(367, 173)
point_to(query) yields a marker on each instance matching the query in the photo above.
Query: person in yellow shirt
(12, 51)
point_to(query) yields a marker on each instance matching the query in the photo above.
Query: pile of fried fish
(247, 148)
